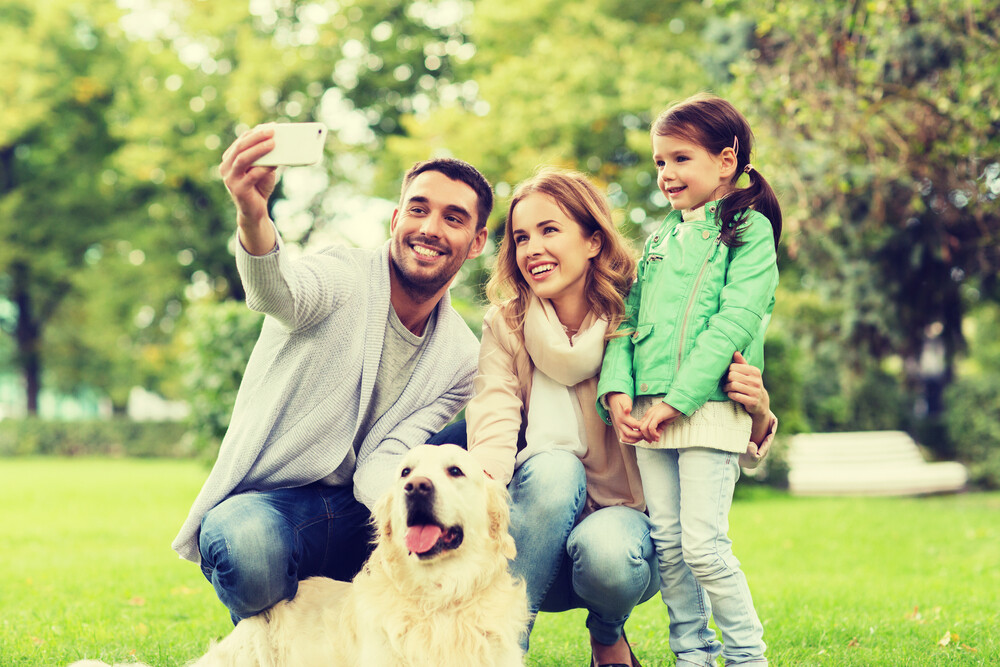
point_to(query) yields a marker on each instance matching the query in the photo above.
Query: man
(361, 357)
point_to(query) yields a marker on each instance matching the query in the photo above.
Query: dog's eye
(455, 471)
(406, 472)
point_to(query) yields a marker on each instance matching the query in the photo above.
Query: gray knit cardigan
(311, 375)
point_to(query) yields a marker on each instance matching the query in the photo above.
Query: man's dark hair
(457, 170)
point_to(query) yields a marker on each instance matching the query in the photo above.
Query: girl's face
(688, 175)
(552, 250)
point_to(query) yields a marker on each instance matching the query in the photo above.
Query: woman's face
(552, 250)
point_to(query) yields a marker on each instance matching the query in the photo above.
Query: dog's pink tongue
(420, 539)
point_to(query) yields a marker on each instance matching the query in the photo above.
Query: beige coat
(496, 421)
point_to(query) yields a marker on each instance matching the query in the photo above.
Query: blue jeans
(689, 493)
(256, 547)
(605, 563)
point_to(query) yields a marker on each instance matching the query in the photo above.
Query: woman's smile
(553, 251)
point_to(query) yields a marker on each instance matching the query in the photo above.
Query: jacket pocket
(641, 331)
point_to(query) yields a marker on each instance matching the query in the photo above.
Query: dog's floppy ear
(498, 509)
(382, 514)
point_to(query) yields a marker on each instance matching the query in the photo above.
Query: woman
(562, 273)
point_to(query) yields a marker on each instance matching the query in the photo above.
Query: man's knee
(249, 557)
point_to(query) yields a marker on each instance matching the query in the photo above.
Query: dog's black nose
(419, 486)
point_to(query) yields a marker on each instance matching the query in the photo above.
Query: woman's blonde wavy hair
(611, 271)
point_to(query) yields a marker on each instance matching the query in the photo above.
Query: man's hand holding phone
(248, 171)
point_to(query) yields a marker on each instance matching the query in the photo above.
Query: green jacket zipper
(691, 300)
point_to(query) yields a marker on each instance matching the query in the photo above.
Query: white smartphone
(295, 145)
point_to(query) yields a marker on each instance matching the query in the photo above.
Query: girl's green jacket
(694, 303)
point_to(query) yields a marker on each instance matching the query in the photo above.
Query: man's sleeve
(376, 471)
(297, 293)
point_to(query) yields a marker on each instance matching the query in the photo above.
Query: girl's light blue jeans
(688, 494)
(606, 563)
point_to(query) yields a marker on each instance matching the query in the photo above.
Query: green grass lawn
(88, 572)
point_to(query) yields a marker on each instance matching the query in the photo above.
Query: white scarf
(555, 418)
(566, 361)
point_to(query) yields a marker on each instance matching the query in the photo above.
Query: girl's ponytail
(759, 196)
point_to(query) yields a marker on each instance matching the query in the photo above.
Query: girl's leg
(613, 568)
(547, 495)
(707, 479)
(691, 640)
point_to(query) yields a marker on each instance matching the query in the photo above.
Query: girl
(559, 286)
(705, 290)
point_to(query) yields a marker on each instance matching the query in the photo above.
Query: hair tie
(747, 169)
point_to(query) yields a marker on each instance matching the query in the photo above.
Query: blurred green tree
(59, 72)
(115, 119)
(880, 125)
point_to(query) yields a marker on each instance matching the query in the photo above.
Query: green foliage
(972, 419)
(112, 216)
(783, 377)
(218, 339)
(116, 437)
(568, 84)
(973, 426)
(877, 123)
(55, 143)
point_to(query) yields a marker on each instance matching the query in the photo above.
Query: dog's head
(442, 504)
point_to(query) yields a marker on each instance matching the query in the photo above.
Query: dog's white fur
(457, 607)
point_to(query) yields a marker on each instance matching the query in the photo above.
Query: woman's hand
(745, 386)
(626, 426)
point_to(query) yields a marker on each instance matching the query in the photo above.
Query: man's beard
(418, 287)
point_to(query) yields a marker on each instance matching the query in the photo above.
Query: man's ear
(392, 221)
(478, 243)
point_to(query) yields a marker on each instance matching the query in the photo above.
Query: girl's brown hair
(714, 124)
(611, 270)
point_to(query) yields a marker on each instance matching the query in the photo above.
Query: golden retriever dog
(435, 591)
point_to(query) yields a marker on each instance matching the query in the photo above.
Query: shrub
(218, 340)
(973, 425)
(92, 437)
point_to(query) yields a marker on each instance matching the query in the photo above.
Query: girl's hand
(626, 426)
(654, 421)
(745, 386)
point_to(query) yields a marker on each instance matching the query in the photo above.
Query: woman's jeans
(606, 563)
(256, 547)
(689, 493)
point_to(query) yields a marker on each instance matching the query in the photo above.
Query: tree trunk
(28, 335)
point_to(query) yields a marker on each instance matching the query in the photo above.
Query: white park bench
(866, 463)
